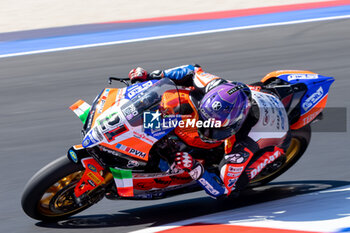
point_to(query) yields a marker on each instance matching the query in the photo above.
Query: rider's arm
(190, 75)
(181, 75)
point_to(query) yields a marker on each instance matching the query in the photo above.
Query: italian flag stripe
(123, 181)
(81, 109)
(126, 192)
(121, 174)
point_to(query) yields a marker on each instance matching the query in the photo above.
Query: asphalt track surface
(37, 126)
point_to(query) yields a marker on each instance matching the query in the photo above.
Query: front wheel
(49, 194)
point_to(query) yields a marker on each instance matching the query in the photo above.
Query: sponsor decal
(216, 106)
(182, 179)
(233, 90)
(91, 183)
(142, 137)
(103, 101)
(109, 151)
(229, 174)
(131, 150)
(212, 84)
(264, 110)
(111, 135)
(263, 164)
(119, 96)
(278, 122)
(109, 121)
(137, 153)
(158, 134)
(255, 88)
(132, 164)
(100, 107)
(205, 113)
(73, 156)
(94, 178)
(231, 182)
(302, 76)
(136, 89)
(235, 169)
(280, 117)
(89, 141)
(163, 181)
(266, 118)
(208, 187)
(196, 172)
(309, 102)
(130, 112)
(92, 167)
(312, 116)
(86, 142)
(90, 138)
(91, 117)
(236, 158)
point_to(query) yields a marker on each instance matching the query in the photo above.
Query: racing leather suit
(263, 137)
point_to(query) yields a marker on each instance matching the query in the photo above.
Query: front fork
(94, 175)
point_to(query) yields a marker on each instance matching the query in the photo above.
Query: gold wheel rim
(292, 151)
(61, 200)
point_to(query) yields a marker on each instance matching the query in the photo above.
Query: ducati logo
(216, 106)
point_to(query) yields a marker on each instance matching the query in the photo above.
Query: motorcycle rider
(254, 127)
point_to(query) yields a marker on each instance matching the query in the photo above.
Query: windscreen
(147, 100)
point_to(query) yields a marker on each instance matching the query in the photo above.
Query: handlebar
(123, 80)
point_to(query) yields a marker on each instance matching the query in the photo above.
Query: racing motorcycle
(124, 153)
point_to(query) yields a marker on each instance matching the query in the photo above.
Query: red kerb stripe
(241, 12)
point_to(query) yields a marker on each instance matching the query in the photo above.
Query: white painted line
(174, 36)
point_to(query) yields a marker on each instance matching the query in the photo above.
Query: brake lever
(123, 80)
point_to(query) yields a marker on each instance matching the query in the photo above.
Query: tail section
(314, 100)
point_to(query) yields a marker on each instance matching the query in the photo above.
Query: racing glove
(138, 75)
(184, 161)
(208, 181)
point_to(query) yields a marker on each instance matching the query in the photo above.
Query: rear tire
(48, 194)
(300, 141)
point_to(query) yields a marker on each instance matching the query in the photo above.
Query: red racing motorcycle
(122, 157)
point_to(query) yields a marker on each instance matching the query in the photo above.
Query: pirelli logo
(94, 178)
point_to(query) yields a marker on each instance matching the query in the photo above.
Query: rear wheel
(300, 140)
(49, 194)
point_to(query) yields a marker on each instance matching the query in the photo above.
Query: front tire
(48, 195)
